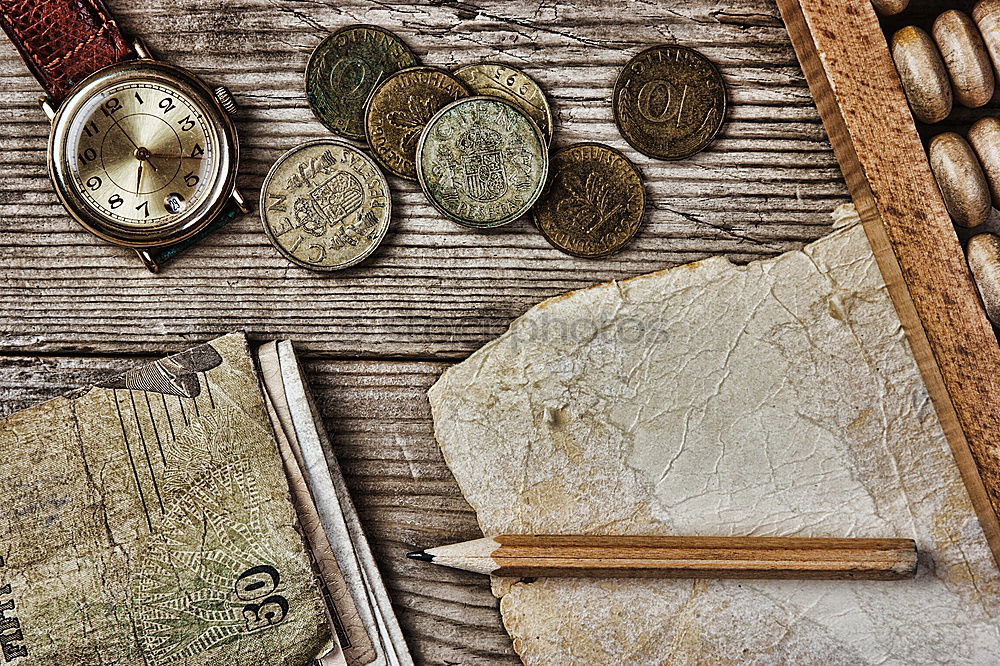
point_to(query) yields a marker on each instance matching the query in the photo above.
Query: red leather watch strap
(63, 41)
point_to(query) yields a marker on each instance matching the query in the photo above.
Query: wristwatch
(141, 153)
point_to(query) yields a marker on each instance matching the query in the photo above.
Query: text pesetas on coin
(325, 205)
(482, 162)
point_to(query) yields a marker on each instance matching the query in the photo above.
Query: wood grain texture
(859, 95)
(379, 424)
(435, 289)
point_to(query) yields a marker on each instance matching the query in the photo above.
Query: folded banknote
(178, 514)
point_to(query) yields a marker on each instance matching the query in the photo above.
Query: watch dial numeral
(114, 175)
(112, 106)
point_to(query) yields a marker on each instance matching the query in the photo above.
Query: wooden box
(843, 48)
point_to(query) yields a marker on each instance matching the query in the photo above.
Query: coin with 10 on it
(325, 205)
(482, 162)
(512, 85)
(594, 202)
(669, 102)
(345, 68)
(400, 108)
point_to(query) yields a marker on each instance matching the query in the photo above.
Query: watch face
(142, 155)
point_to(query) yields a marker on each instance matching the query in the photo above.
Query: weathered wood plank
(435, 290)
(379, 422)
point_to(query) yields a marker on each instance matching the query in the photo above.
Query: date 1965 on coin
(325, 205)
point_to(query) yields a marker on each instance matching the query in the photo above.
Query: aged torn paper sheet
(777, 398)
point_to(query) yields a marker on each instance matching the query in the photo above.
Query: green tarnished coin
(594, 202)
(345, 68)
(512, 85)
(400, 108)
(482, 162)
(325, 205)
(669, 102)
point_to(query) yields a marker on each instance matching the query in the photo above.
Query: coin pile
(477, 141)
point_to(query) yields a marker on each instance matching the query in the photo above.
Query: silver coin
(325, 205)
(482, 162)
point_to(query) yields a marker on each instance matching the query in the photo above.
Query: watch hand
(138, 180)
(173, 156)
(118, 125)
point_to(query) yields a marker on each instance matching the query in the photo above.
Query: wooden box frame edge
(847, 63)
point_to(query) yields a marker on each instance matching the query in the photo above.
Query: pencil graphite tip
(420, 555)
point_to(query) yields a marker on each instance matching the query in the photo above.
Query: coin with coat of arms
(482, 162)
(513, 85)
(399, 109)
(345, 68)
(594, 202)
(325, 205)
(669, 102)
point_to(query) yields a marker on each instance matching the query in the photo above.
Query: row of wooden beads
(967, 186)
(968, 171)
(953, 63)
(968, 175)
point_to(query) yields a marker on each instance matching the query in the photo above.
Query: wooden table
(73, 310)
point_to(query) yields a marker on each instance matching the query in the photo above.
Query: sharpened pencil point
(420, 555)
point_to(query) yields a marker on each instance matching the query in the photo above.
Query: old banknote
(148, 522)
(366, 624)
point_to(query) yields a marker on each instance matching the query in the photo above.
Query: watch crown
(225, 99)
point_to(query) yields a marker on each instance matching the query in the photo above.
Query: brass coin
(482, 162)
(325, 205)
(512, 85)
(669, 102)
(345, 68)
(594, 202)
(400, 108)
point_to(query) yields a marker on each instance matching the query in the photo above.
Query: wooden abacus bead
(986, 14)
(960, 179)
(922, 72)
(983, 255)
(965, 57)
(890, 7)
(984, 137)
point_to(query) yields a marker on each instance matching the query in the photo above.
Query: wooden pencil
(680, 557)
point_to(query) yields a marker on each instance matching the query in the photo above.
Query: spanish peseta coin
(400, 108)
(594, 202)
(510, 84)
(325, 205)
(482, 162)
(669, 102)
(345, 68)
